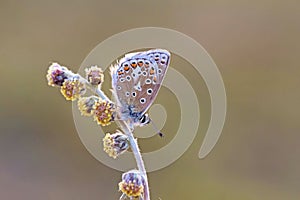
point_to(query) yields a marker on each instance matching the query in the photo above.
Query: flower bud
(132, 184)
(115, 144)
(103, 112)
(86, 104)
(57, 74)
(94, 75)
(73, 88)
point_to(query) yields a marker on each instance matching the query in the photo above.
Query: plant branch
(133, 142)
(137, 155)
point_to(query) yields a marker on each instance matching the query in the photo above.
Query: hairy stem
(137, 155)
(133, 143)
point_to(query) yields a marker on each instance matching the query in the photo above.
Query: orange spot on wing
(126, 68)
(140, 63)
(120, 73)
(133, 65)
(151, 71)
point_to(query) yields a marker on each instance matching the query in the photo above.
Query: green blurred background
(256, 46)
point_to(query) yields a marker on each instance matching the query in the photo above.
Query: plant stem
(137, 155)
(133, 143)
(95, 89)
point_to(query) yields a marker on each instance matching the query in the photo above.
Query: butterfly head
(136, 118)
(144, 120)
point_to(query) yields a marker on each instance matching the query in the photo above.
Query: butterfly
(136, 80)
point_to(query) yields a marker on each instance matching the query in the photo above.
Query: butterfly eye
(133, 94)
(149, 91)
(143, 100)
(143, 119)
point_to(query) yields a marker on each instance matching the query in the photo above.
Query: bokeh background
(256, 46)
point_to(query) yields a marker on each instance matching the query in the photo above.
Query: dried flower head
(86, 104)
(103, 112)
(94, 75)
(73, 88)
(132, 184)
(115, 144)
(57, 74)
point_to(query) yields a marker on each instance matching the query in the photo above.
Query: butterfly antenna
(156, 129)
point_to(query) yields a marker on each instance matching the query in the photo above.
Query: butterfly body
(136, 80)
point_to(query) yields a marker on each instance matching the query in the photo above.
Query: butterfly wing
(137, 78)
(124, 75)
(161, 60)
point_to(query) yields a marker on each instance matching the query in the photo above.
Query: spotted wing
(161, 60)
(138, 77)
